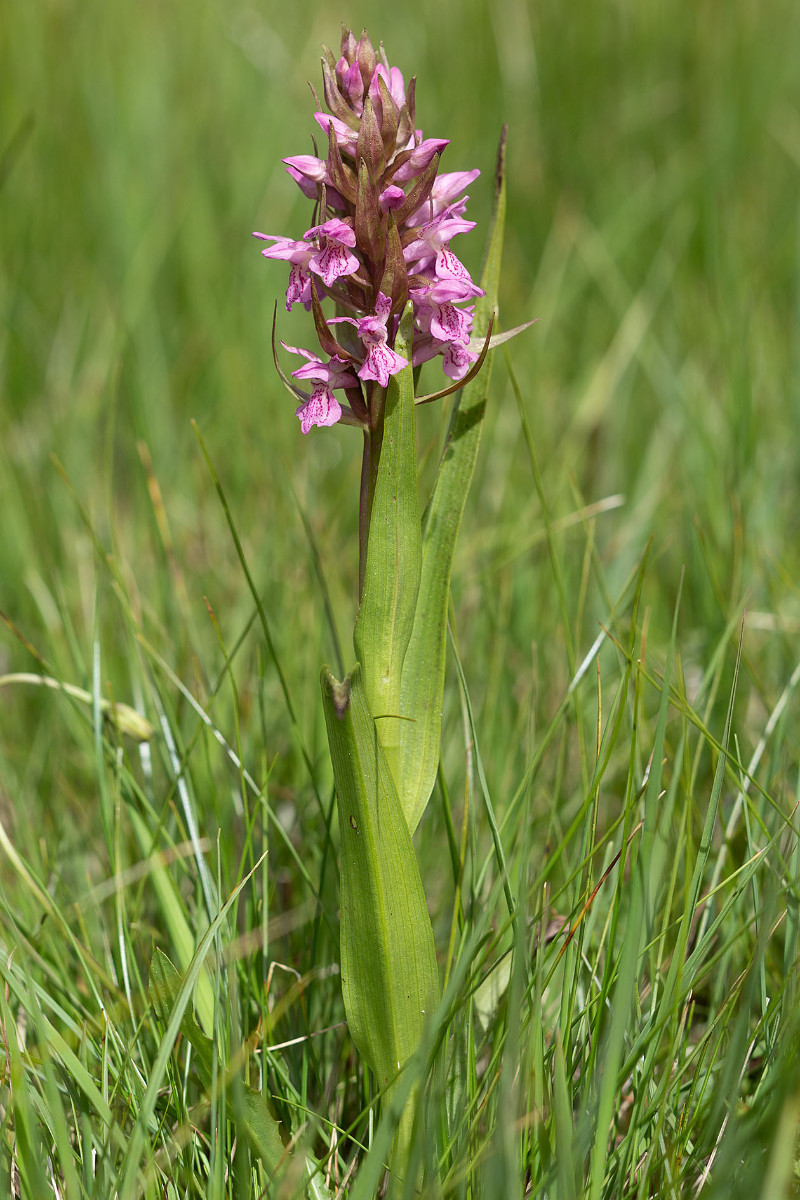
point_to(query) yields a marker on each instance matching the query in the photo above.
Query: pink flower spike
(321, 408)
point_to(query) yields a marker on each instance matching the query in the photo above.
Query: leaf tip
(339, 692)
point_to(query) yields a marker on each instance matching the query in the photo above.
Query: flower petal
(321, 408)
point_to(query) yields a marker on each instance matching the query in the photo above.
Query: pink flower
(393, 78)
(446, 188)
(346, 137)
(456, 356)
(308, 173)
(421, 154)
(431, 242)
(391, 197)
(437, 313)
(380, 360)
(351, 83)
(333, 259)
(457, 359)
(366, 237)
(321, 408)
(299, 254)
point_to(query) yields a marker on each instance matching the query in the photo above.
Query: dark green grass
(636, 492)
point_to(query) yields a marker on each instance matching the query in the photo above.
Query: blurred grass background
(654, 228)
(654, 162)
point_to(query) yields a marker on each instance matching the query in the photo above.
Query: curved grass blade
(129, 1182)
(248, 1107)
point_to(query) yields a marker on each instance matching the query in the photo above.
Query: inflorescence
(384, 220)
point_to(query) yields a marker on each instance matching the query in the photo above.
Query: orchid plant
(384, 218)
(378, 247)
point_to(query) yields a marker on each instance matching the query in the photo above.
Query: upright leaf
(422, 683)
(390, 981)
(391, 580)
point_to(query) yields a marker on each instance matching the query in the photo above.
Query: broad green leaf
(391, 580)
(422, 683)
(390, 981)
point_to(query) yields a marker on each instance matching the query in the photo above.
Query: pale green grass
(611, 736)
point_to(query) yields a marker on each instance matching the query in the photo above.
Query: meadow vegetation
(611, 855)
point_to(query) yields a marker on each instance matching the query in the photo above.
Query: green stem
(373, 440)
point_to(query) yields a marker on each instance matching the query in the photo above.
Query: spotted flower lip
(334, 258)
(385, 217)
(321, 407)
(380, 361)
